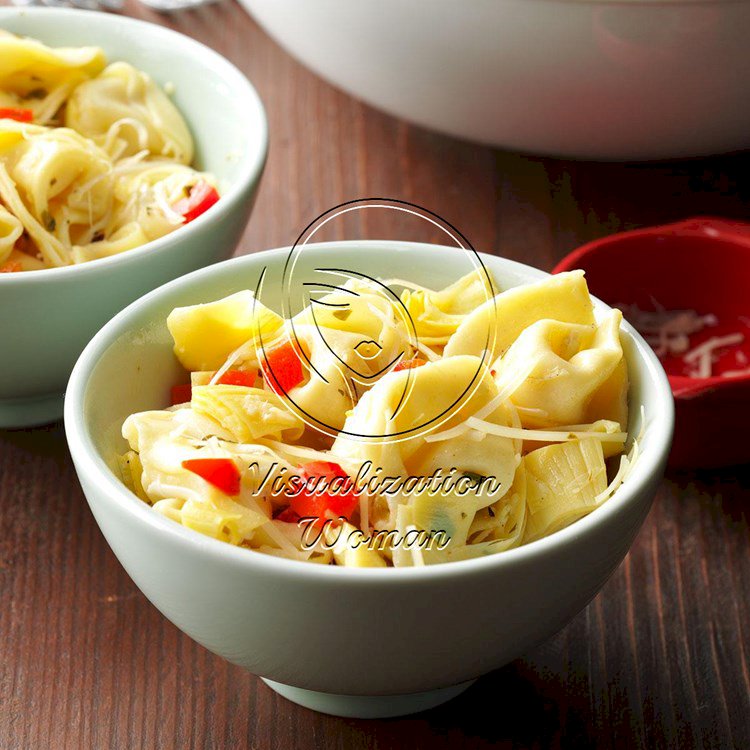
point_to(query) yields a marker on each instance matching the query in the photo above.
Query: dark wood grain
(658, 660)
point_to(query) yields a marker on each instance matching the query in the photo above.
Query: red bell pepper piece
(313, 499)
(12, 266)
(238, 377)
(181, 394)
(287, 516)
(202, 196)
(283, 368)
(409, 364)
(222, 473)
(15, 113)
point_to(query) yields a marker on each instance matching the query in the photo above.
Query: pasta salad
(94, 158)
(374, 431)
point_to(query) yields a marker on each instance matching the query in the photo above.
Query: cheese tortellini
(94, 159)
(123, 110)
(338, 436)
(570, 365)
(40, 78)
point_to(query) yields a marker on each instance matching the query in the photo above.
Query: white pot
(600, 79)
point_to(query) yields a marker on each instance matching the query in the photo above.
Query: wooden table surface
(658, 659)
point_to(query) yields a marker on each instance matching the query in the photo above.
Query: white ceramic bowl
(354, 642)
(602, 79)
(50, 315)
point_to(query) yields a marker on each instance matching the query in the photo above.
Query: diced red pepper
(181, 394)
(202, 196)
(314, 501)
(287, 516)
(238, 377)
(12, 266)
(409, 364)
(14, 113)
(222, 473)
(283, 368)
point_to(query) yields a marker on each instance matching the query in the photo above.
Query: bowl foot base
(368, 706)
(31, 412)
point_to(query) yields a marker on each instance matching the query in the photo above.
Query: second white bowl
(50, 315)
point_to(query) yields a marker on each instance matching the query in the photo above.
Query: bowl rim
(714, 230)
(251, 165)
(90, 464)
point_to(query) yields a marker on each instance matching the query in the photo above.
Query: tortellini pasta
(428, 398)
(384, 329)
(124, 105)
(330, 385)
(437, 314)
(40, 78)
(569, 365)
(206, 335)
(94, 161)
(57, 184)
(330, 437)
(497, 323)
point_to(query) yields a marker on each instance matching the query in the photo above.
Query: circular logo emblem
(348, 328)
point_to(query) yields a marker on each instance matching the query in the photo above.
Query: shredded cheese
(545, 436)
(230, 360)
(626, 467)
(406, 285)
(300, 451)
(284, 544)
(508, 385)
(114, 129)
(669, 331)
(710, 346)
(735, 373)
(429, 353)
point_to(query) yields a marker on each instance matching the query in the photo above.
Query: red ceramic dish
(701, 264)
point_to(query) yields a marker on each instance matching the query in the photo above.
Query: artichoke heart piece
(562, 483)
(501, 525)
(205, 335)
(222, 519)
(247, 414)
(447, 518)
(428, 527)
